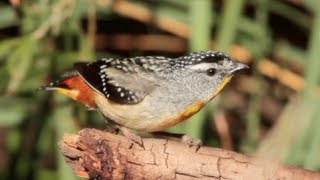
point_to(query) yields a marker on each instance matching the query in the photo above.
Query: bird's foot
(112, 130)
(187, 139)
(131, 136)
(184, 138)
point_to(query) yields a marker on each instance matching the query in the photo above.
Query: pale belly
(144, 116)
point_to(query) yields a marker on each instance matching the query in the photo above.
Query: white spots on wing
(103, 75)
(107, 60)
(125, 69)
(127, 65)
(117, 61)
(125, 62)
(103, 66)
(134, 98)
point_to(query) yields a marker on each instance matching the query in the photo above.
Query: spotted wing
(119, 85)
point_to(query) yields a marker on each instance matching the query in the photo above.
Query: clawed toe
(112, 130)
(187, 139)
(133, 137)
(184, 138)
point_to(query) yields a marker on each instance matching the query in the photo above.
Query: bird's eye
(211, 72)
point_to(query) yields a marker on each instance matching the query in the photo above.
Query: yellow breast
(171, 121)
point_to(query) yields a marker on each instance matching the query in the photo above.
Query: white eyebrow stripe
(201, 66)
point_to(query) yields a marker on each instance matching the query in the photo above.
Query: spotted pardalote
(149, 93)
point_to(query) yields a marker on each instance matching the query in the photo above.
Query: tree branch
(102, 155)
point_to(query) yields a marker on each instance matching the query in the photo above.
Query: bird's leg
(112, 127)
(133, 137)
(184, 138)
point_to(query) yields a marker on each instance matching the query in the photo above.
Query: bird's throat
(77, 89)
(225, 81)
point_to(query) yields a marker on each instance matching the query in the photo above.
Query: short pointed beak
(238, 66)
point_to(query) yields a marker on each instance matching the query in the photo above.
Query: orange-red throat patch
(77, 89)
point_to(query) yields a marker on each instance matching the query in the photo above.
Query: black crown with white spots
(200, 57)
(95, 73)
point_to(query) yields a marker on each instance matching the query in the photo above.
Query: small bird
(148, 93)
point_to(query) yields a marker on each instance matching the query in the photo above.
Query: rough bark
(97, 154)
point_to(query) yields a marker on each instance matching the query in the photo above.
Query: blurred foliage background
(270, 111)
